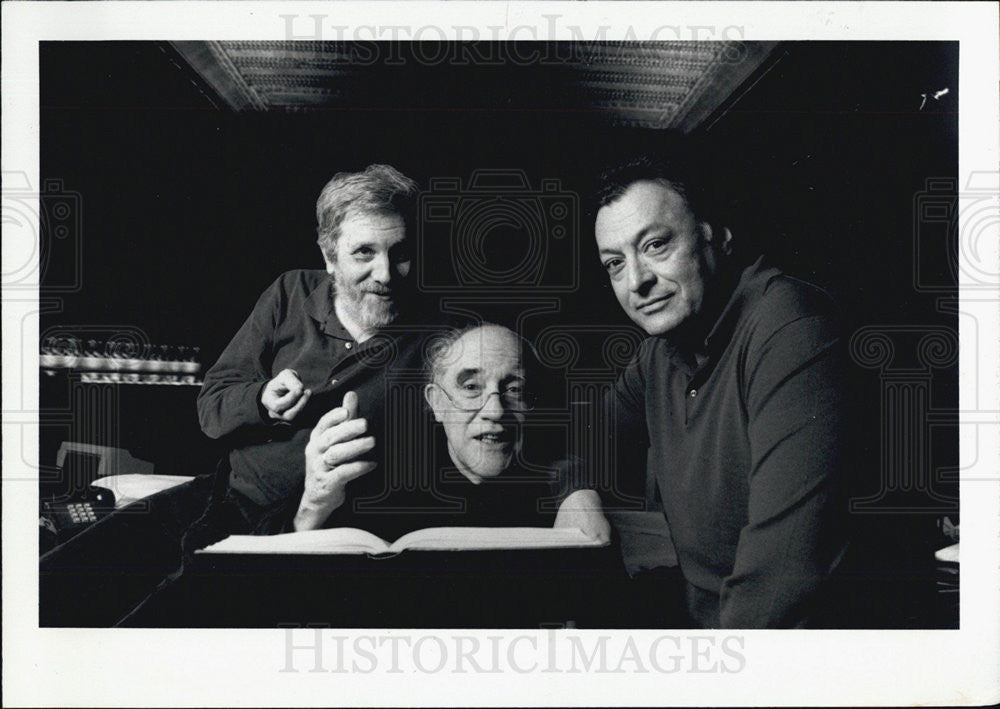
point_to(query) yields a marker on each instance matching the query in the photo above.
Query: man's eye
(515, 393)
(364, 252)
(471, 388)
(656, 246)
(613, 265)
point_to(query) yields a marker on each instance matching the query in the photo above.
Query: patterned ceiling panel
(647, 84)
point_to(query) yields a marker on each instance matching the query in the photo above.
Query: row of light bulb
(138, 378)
(98, 355)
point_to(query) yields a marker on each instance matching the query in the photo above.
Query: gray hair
(378, 189)
(438, 348)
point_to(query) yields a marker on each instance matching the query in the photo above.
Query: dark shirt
(429, 491)
(441, 496)
(294, 326)
(743, 432)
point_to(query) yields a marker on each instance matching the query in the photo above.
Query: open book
(348, 540)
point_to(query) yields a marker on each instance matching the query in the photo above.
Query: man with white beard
(313, 337)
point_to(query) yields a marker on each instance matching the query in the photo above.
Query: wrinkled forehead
(386, 227)
(491, 352)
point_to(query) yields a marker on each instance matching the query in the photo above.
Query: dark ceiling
(650, 85)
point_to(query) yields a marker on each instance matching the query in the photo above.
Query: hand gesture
(284, 396)
(333, 455)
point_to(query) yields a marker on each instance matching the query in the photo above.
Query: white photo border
(63, 667)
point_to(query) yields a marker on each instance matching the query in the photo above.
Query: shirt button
(333, 382)
(693, 393)
(348, 345)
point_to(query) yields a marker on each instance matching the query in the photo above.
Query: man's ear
(726, 245)
(723, 237)
(329, 258)
(433, 398)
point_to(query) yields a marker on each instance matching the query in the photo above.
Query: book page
(130, 487)
(473, 538)
(340, 540)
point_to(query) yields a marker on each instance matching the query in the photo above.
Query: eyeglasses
(472, 397)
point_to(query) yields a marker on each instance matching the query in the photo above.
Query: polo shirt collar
(752, 279)
(319, 306)
(722, 309)
(725, 321)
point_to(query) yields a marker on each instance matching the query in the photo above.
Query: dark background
(188, 211)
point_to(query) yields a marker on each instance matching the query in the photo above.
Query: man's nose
(639, 276)
(493, 408)
(381, 270)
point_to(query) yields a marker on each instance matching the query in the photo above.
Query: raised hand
(333, 459)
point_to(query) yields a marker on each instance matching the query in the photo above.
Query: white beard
(368, 311)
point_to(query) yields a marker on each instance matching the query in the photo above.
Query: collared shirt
(742, 434)
(294, 326)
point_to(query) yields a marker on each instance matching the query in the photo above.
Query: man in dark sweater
(733, 405)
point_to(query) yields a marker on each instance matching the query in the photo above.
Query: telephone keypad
(81, 512)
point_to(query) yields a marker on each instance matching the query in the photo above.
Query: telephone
(69, 517)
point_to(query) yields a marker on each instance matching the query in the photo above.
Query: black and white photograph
(616, 346)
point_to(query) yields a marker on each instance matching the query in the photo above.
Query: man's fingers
(582, 509)
(282, 401)
(293, 412)
(350, 471)
(280, 404)
(343, 452)
(351, 404)
(595, 526)
(598, 530)
(283, 391)
(330, 419)
(601, 533)
(341, 433)
(335, 417)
